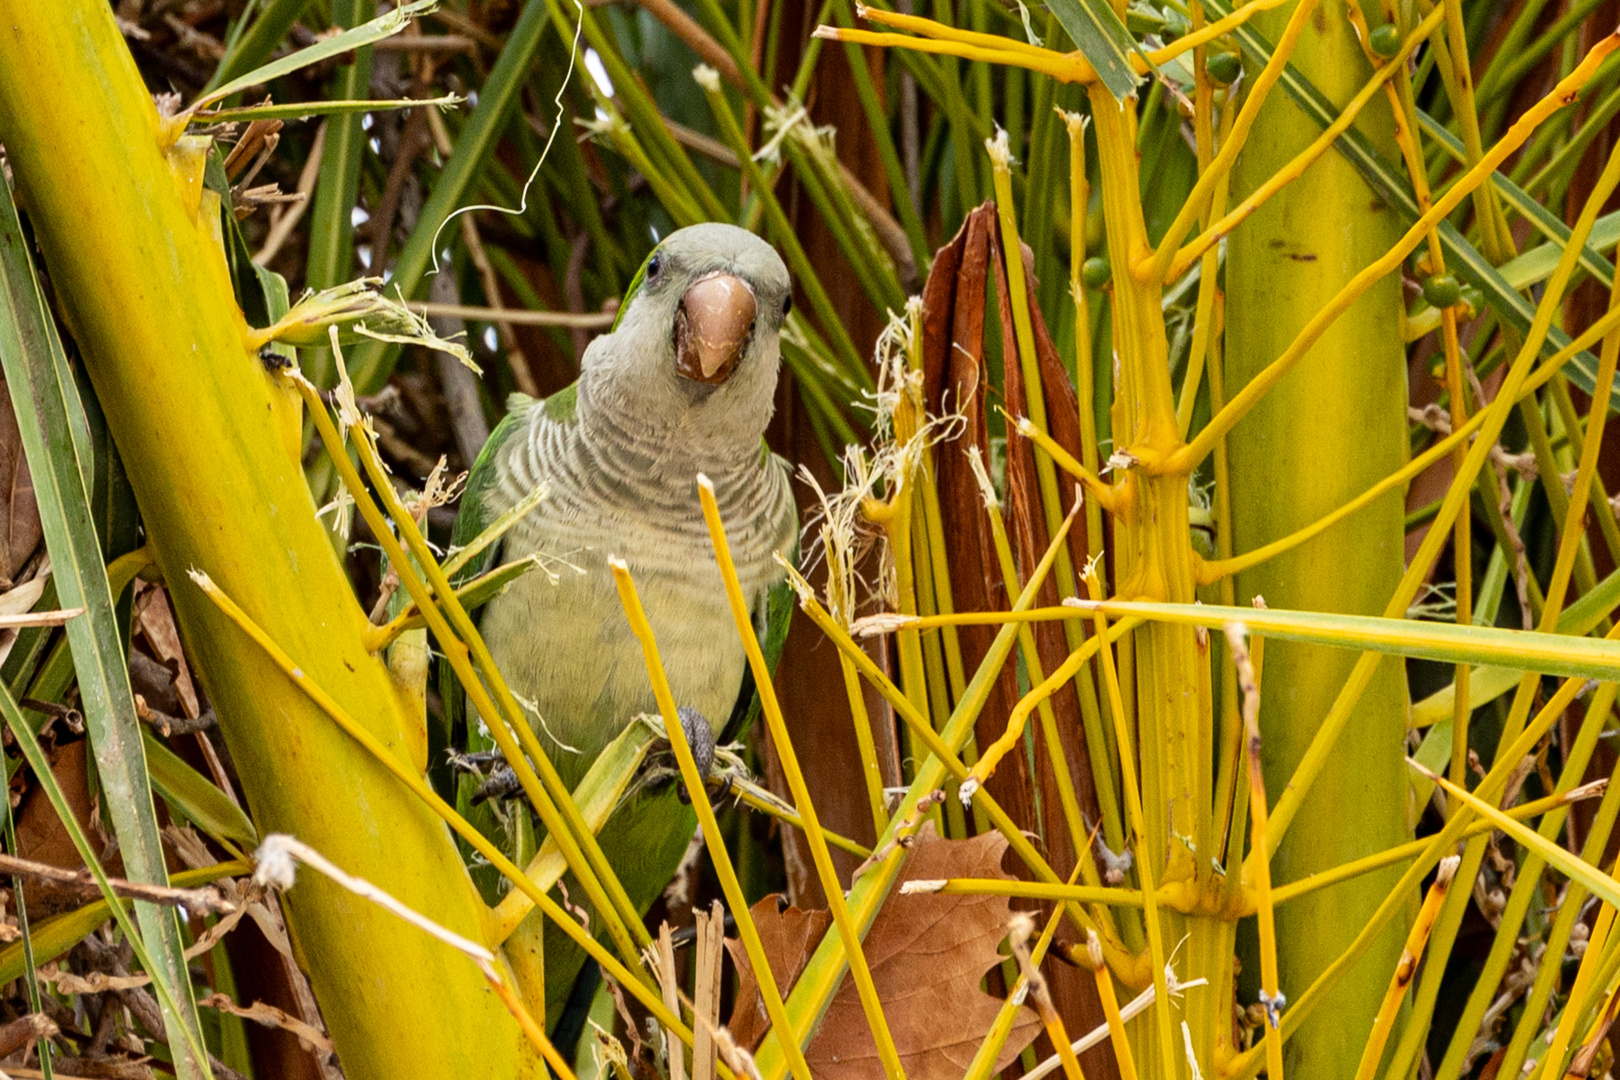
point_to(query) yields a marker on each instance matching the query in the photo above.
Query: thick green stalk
(145, 291)
(1331, 429)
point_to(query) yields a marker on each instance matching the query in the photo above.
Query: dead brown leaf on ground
(928, 954)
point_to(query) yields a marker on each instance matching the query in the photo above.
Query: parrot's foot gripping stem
(720, 764)
(700, 737)
(500, 782)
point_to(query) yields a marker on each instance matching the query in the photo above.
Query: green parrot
(684, 384)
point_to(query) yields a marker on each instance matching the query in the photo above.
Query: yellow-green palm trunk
(144, 288)
(1334, 426)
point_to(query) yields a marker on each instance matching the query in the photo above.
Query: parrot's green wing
(479, 508)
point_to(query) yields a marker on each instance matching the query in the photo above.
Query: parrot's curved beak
(712, 327)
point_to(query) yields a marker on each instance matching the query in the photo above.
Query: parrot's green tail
(644, 842)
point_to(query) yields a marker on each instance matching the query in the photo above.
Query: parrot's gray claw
(699, 736)
(501, 784)
(499, 781)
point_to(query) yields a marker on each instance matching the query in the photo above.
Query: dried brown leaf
(156, 621)
(789, 936)
(928, 954)
(20, 531)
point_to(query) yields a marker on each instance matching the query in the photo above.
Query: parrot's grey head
(697, 341)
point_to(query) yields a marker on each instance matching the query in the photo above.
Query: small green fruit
(1474, 298)
(1442, 290)
(1223, 68)
(1385, 41)
(1096, 272)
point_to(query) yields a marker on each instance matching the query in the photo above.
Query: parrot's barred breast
(564, 641)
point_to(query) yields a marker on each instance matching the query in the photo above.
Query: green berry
(1385, 41)
(1474, 298)
(1442, 290)
(1096, 272)
(1223, 68)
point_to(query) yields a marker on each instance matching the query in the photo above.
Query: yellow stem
(1145, 868)
(531, 1030)
(782, 742)
(1406, 969)
(1066, 67)
(1270, 993)
(1098, 489)
(871, 773)
(1566, 91)
(1156, 268)
(695, 786)
(1110, 1003)
(419, 787)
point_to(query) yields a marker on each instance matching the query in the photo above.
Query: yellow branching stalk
(782, 742)
(696, 785)
(1416, 939)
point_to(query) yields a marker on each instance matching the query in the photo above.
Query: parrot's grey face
(723, 293)
(700, 333)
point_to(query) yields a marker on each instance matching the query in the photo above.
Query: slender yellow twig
(1145, 868)
(1271, 996)
(782, 742)
(1188, 457)
(1415, 848)
(695, 786)
(1066, 67)
(1110, 1003)
(1406, 968)
(1095, 486)
(1021, 926)
(276, 856)
(871, 772)
(420, 787)
(1210, 571)
(751, 798)
(1210, 315)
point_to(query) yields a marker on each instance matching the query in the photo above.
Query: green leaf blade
(45, 399)
(1102, 39)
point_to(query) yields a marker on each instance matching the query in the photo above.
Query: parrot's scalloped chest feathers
(559, 635)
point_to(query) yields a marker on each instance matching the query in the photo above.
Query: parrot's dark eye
(787, 305)
(655, 266)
